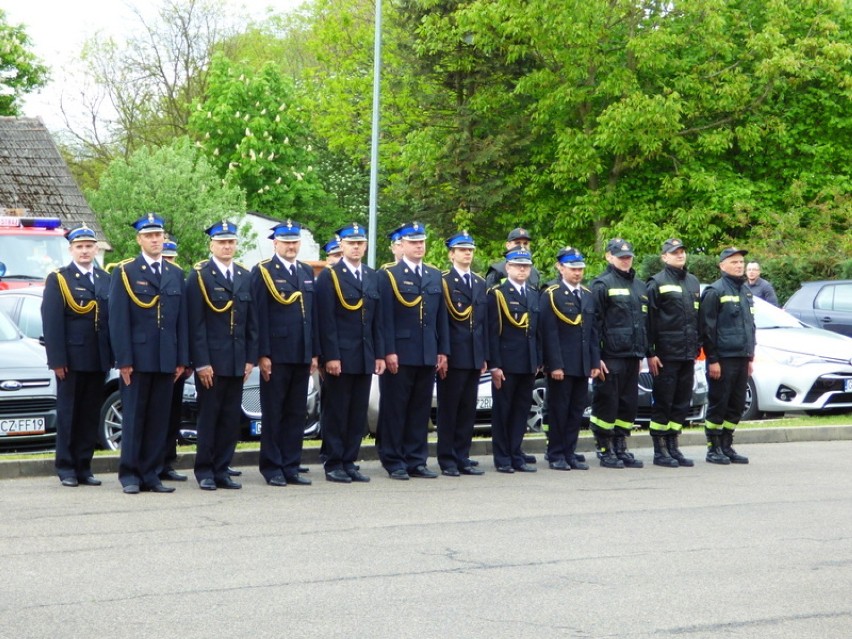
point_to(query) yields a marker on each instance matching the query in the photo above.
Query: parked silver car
(797, 367)
(27, 392)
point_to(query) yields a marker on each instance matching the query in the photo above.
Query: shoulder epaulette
(551, 288)
(241, 265)
(199, 265)
(266, 261)
(387, 265)
(477, 277)
(430, 266)
(447, 272)
(588, 290)
(125, 261)
(495, 286)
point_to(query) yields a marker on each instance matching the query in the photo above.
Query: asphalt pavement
(759, 550)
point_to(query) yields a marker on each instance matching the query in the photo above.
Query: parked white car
(797, 367)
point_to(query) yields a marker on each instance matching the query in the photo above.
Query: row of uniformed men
(407, 319)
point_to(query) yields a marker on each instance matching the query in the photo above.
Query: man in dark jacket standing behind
(673, 299)
(726, 325)
(76, 338)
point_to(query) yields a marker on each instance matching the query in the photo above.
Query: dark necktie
(156, 268)
(358, 275)
(576, 292)
(228, 276)
(417, 270)
(466, 277)
(91, 277)
(523, 292)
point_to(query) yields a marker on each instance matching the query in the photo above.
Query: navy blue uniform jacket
(575, 348)
(285, 331)
(151, 340)
(512, 349)
(468, 335)
(225, 340)
(73, 340)
(352, 336)
(417, 333)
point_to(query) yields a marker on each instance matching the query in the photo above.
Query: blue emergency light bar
(31, 222)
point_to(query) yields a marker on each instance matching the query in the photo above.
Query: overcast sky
(58, 29)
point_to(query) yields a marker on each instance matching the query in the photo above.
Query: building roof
(35, 177)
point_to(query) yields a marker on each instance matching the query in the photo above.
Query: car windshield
(768, 316)
(8, 331)
(32, 257)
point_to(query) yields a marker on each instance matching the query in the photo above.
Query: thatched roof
(34, 177)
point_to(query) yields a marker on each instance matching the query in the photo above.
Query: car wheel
(111, 421)
(751, 410)
(535, 422)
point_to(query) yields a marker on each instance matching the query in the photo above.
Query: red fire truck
(30, 248)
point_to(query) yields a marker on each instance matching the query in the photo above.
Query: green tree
(648, 119)
(21, 72)
(254, 131)
(175, 181)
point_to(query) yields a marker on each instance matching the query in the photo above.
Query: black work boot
(605, 451)
(727, 441)
(674, 451)
(661, 452)
(619, 443)
(714, 452)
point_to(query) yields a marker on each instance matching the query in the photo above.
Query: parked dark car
(23, 306)
(826, 304)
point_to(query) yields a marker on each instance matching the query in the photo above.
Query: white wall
(262, 227)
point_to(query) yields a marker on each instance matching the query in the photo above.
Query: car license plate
(255, 427)
(847, 386)
(483, 403)
(22, 426)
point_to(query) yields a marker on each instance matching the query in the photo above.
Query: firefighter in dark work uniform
(726, 326)
(673, 299)
(621, 307)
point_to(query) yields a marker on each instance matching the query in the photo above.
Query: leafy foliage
(175, 181)
(20, 70)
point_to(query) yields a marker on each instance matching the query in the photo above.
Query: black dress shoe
(399, 474)
(505, 469)
(526, 468)
(560, 464)
(422, 472)
(131, 489)
(529, 459)
(297, 480)
(472, 462)
(207, 484)
(69, 482)
(159, 488)
(89, 481)
(451, 472)
(233, 472)
(339, 476)
(578, 464)
(170, 474)
(304, 469)
(579, 457)
(357, 475)
(278, 481)
(227, 483)
(471, 470)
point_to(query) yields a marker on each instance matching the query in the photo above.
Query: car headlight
(788, 358)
